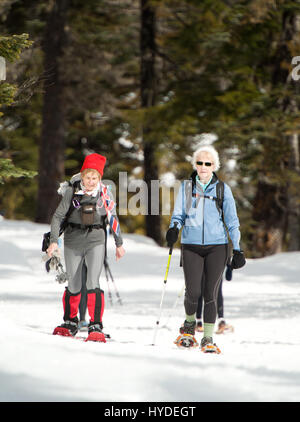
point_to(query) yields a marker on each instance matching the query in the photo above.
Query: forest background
(144, 82)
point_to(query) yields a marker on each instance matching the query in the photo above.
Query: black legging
(220, 303)
(83, 299)
(207, 260)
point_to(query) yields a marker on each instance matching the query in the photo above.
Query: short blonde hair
(212, 151)
(85, 171)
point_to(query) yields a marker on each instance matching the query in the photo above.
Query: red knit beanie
(94, 161)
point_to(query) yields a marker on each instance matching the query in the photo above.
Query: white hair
(212, 151)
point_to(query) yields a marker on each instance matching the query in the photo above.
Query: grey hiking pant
(197, 260)
(75, 258)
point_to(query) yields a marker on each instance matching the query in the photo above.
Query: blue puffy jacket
(202, 222)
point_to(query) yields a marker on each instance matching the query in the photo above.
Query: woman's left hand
(238, 259)
(120, 252)
(52, 247)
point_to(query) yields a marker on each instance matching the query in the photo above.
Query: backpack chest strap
(199, 195)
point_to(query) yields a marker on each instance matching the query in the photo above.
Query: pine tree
(11, 48)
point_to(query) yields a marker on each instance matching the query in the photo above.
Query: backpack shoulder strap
(64, 223)
(220, 197)
(188, 186)
(220, 194)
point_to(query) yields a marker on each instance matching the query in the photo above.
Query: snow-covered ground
(260, 361)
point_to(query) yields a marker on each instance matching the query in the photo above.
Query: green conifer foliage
(11, 48)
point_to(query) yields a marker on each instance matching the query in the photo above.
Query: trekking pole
(174, 305)
(162, 295)
(107, 279)
(105, 262)
(113, 281)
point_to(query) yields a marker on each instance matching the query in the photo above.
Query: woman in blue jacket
(204, 239)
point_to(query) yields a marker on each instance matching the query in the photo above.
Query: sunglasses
(201, 163)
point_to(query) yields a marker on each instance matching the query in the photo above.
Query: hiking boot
(207, 346)
(199, 327)
(189, 327)
(206, 340)
(222, 325)
(95, 327)
(68, 328)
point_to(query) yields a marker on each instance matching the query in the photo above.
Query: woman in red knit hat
(92, 207)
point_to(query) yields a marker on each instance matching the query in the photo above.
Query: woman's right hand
(172, 236)
(52, 247)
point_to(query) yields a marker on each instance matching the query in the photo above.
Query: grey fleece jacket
(74, 237)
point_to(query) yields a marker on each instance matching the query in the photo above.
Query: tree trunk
(148, 99)
(52, 143)
(269, 213)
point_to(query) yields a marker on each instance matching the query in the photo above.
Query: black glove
(228, 273)
(238, 259)
(172, 236)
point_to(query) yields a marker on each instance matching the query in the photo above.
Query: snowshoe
(224, 328)
(96, 336)
(186, 337)
(67, 329)
(186, 341)
(207, 346)
(95, 333)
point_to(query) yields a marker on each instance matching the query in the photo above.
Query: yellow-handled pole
(162, 296)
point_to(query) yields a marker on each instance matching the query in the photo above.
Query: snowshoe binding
(224, 328)
(95, 333)
(187, 339)
(67, 329)
(207, 346)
